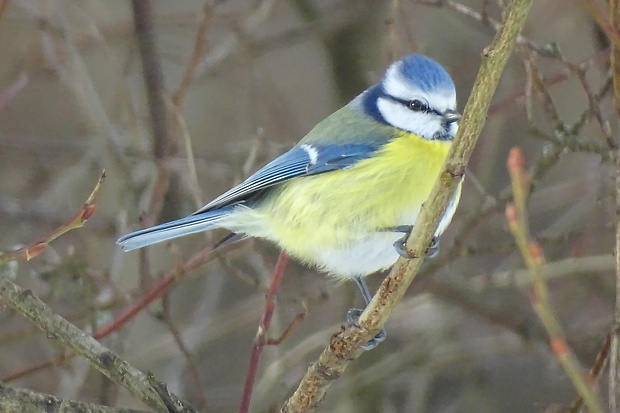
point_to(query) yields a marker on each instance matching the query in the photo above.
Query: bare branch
(344, 346)
(516, 215)
(69, 336)
(14, 400)
(78, 220)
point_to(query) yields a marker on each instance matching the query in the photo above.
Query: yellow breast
(343, 210)
(340, 208)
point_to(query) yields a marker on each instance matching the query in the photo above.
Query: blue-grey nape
(424, 73)
(369, 103)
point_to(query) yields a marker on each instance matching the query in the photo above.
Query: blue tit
(342, 198)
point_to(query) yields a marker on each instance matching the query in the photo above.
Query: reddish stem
(198, 259)
(9, 93)
(260, 341)
(201, 257)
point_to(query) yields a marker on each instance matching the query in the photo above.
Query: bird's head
(417, 95)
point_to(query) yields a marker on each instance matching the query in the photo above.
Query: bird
(344, 199)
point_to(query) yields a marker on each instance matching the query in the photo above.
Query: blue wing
(304, 160)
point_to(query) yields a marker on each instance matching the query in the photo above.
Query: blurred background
(232, 84)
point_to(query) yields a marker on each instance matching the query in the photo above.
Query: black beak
(451, 116)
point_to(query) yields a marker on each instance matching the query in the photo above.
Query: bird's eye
(417, 105)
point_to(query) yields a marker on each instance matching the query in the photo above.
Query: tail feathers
(163, 232)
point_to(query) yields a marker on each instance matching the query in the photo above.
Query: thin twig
(481, 17)
(192, 177)
(200, 258)
(607, 25)
(189, 357)
(164, 144)
(517, 278)
(243, 30)
(518, 222)
(594, 106)
(76, 221)
(260, 340)
(153, 75)
(289, 329)
(69, 336)
(198, 53)
(556, 78)
(595, 370)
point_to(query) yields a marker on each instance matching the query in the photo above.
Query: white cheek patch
(397, 115)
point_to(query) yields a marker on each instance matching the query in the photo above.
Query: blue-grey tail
(163, 232)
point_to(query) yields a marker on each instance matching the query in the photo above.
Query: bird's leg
(399, 245)
(353, 315)
(228, 239)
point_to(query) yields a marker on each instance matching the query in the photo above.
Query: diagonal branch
(56, 327)
(344, 346)
(518, 222)
(607, 25)
(15, 400)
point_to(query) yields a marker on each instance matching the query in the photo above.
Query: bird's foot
(401, 248)
(353, 315)
(433, 249)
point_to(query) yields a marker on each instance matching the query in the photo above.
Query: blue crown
(424, 73)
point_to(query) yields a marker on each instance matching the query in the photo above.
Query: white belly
(360, 254)
(372, 254)
(376, 251)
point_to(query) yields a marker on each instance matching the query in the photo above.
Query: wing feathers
(304, 160)
(169, 230)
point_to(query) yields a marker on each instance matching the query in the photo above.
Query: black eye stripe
(380, 93)
(408, 103)
(414, 105)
